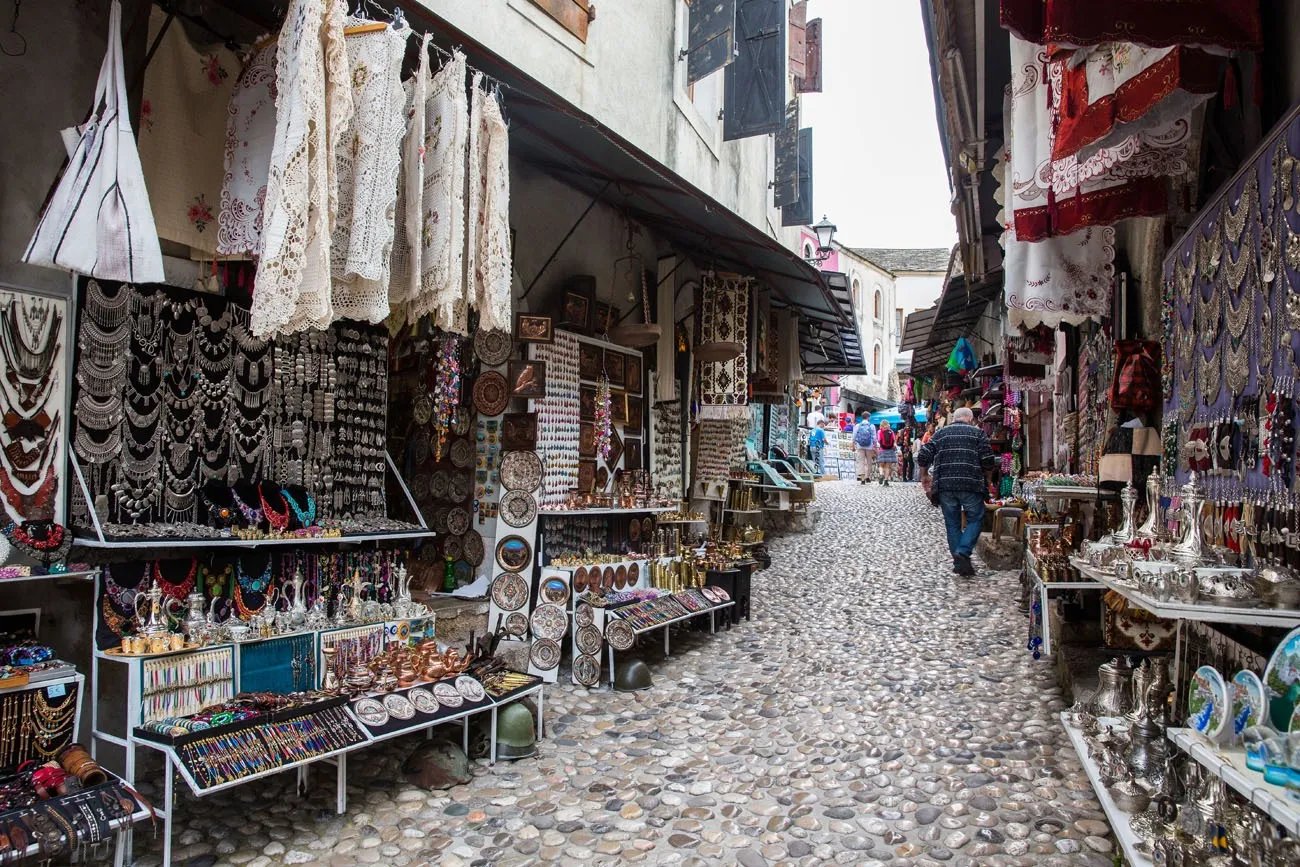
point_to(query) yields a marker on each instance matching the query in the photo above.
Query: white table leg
(169, 798)
(667, 629)
(341, 785)
(611, 666)
(492, 750)
(464, 735)
(1045, 618)
(541, 711)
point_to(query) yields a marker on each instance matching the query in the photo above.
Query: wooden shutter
(785, 188)
(710, 40)
(812, 79)
(573, 15)
(798, 43)
(755, 88)
(801, 212)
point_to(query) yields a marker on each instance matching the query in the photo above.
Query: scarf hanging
(488, 227)
(187, 94)
(1050, 197)
(367, 158)
(404, 280)
(724, 318)
(250, 136)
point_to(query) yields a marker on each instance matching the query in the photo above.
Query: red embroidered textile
(1223, 23)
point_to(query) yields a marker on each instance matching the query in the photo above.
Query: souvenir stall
(1199, 765)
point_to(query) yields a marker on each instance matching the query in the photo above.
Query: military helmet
(516, 736)
(632, 675)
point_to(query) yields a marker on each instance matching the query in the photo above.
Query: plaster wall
(865, 279)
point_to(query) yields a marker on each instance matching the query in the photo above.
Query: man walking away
(960, 456)
(817, 448)
(887, 451)
(864, 445)
(906, 460)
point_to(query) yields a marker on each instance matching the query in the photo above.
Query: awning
(916, 329)
(826, 344)
(956, 314)
(860, 400)
(548, 132)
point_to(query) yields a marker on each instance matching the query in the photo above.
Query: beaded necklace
(252, 516)
(252, 585)
(172, 589)
(306, 516)
(279, 522)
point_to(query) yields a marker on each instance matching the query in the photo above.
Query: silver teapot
(195, 625)
(158, 608)
(1112, 697)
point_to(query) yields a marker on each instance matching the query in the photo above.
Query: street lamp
(825, 231)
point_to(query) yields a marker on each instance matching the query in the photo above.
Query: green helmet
(516, 736)
(632, 675)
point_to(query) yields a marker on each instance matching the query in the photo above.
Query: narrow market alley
(876, 710)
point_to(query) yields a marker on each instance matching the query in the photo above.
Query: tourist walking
(915, 473)
(906, 460)
(864, 446)
(886, 451)
(959, 458)
(817, 447)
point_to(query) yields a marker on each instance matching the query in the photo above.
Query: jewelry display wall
(37, 723)
(666, 468)
(558, 422)
(33, 340)
(174, 392)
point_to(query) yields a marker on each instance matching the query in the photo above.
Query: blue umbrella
(895, 417)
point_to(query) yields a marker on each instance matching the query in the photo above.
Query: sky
(878, 170)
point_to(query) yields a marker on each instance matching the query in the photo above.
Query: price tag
(58, 690)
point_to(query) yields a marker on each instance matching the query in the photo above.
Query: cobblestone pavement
(877, 710)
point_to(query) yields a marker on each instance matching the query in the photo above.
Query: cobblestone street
(876, 710)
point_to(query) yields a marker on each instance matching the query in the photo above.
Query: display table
(1229, 764)
(691, 615)
(736, 581)
(1118, 819)
(118, 827)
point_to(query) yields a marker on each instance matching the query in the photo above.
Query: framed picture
(606, 317)
(615, 368)
(587, 403)
(589, 361)
(631, 454)
(635, 413)
(531, 328)
(586, 476)
(527, 378)
(576, 310)
(618, 407)
(632, 374)
(519, 431)
(587, 440)
(615, 450)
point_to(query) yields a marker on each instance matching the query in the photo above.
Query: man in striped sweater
(959, 459)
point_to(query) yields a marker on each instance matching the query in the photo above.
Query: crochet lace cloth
(404, 281)
(367, 158)
(442, 227)
(313, 106)
(250, 136)
(488, 226)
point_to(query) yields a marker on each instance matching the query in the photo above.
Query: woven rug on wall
(724, 318)
(666, 464)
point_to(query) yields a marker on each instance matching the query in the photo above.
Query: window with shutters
(700, 102)
(574, 16)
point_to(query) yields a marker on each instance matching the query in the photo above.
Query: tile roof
(901, 261)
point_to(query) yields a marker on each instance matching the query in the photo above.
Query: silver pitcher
(158, 608)
(1112, 696)
(1127, 499)
(1154, 526)
(195, 624)
(1188, 551)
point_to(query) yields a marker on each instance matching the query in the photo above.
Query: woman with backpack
(886, 451)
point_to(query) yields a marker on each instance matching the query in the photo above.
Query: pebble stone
(877, 710)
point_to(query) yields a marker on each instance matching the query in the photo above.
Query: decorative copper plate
(619, 634)
(493, 346)
(516, 624)
(555, 591)
(399, 706)
(420, 445)
(471, 546)
(459, 486)
(521, 471)
(370, 712)
(439, 519)
(462, 454)
(633, 574)
(451, 547)
(587, 639)
(510, 591)
(583, 614)
(549, 621)
(514, 553)
(602, 479)
(634, 531)
(438, 485)
(620, 577)
(545, 654)
(518, 508)
(647, 528)
(490, 393)
(422, 410)
(586, 670)
(447, 695)
(580, 579)
(423, 700)
(457, 520)
(607, 579)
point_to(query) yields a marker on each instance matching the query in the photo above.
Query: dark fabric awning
(916, 329)
(860, 400)
(955, 315)
(826, 344)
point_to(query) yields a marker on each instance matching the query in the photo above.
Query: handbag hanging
(98, 220)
